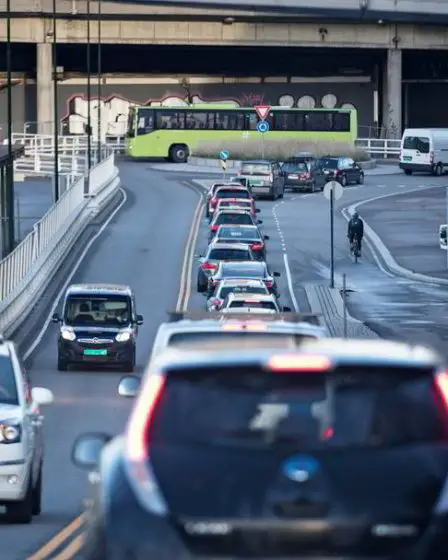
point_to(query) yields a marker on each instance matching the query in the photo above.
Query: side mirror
(276, 274)
(86, 450)
(129, 386)
(266, 237)
(257, 210)
(286, 309)
(55, 318)
(42, 396)
(139, 319)
(259, 221)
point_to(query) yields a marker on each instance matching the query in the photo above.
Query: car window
(245, 203)
(419, 143)
(226, 290)
(295, 167)
(108, 310)
(8, 385)
(229, 255)
(228, 193)
(370, 407)
(234, 219)
(279, 339)
(255, 169)
(328, 163)
(238, 233)
(256, 304)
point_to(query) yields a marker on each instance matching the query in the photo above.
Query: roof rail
(175, 316)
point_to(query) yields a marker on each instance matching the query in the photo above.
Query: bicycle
(354, 249)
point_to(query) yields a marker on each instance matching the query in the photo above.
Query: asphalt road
(142, 247)
(33, 197)
(408, 225)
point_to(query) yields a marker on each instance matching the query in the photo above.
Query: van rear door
(416, 150)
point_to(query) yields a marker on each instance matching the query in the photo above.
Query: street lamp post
(55, 111)
(8, 198)
(89, 96)
(99, 83)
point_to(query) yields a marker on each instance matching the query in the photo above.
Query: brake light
(217, 301)
(257, 246)
(441, 381)
(141, 477)
(213, 201)
(299, 363)
(269, 284)
(208, 266)
(214, 228)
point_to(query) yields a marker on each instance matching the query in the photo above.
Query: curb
(381, 252)
(235, 164)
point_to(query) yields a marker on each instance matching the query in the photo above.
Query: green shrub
(278, 150)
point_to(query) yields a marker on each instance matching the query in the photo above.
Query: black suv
(303, 172)
(344, 170)
(338, 449)
(98, 326)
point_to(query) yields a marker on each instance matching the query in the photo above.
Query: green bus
(174, 132)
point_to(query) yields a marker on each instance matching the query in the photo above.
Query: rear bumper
(415, 166)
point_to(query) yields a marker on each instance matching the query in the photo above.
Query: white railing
(27, 271)
(44, 144)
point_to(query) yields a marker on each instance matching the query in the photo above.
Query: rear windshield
(243, 272)
(295, 167)
(255, 304)
(329, 163)
(228, 193)
(251, 408)
(239, 233)
(256, 169)
(245, 203)
(419, 143)
(275, 339)
(234, 219)
(230, 255)
(224, 292)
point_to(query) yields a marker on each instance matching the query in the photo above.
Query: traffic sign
(263, 126)
(224, 154)
(335, 187)
(263, 111)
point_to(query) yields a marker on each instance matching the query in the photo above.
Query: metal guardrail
(27, 271)
(44, 144)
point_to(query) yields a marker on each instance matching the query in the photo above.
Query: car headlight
(68, 334)
(10, 432)
(123, 336)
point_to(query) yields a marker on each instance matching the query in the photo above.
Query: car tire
(37, 493)
(179, 153)
(22, 511)
(408, 171)
(200, 287)
(344, 181)
(62, 364)
(360, 181)
(312, 188)
(438, 170)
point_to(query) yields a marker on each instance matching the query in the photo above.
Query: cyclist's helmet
(355, 215)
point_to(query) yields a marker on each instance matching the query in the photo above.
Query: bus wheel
(179, 153)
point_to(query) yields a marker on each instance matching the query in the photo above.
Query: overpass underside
(395, 74)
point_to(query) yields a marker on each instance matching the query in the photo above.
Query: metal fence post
(344, 300)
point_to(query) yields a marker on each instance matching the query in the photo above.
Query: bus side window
(145, 121)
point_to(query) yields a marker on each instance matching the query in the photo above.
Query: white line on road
(289, 282)
(76, 266)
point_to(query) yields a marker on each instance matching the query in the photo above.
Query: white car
(248, 303)
(236, 286)
(21, 438)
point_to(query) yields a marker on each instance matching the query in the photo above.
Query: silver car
(264, 178)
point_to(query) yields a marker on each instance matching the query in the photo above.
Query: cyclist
(355, 228)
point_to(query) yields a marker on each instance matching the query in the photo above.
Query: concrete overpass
(145, 23)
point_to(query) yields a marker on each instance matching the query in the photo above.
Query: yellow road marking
(73, 548)
(55, 542)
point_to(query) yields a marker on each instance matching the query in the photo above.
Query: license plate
(293, 176)
(257, 183)
(95, 352)
(407, 158)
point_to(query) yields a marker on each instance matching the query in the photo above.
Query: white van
(424, 149)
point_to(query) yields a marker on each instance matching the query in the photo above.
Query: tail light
(213, 201)
(217, 302)
(441, 381)
(208, 266)
(137, 451)
(214, 228)
(257, 246)
(269, 283)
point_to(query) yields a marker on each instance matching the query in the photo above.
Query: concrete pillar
(44, 88)
(393, 105)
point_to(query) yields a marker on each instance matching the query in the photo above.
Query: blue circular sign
(300, 468)
(263, 126)
(224, 154)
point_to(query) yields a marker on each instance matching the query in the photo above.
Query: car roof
(99, 288)
(240, 246)
(338, 351)
(232, 211)
(245, 226)
(250, 297)
(234, 187)
(248, 310)
(242, 264)
(241, 282)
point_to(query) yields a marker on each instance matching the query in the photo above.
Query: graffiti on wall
(114, 109)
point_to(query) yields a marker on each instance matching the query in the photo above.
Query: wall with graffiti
(116, 100)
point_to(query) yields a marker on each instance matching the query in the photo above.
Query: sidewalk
(33, 197)
(407, 227)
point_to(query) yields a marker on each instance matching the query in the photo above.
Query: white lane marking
(289, 282)
(78, 263)
(190, 265)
